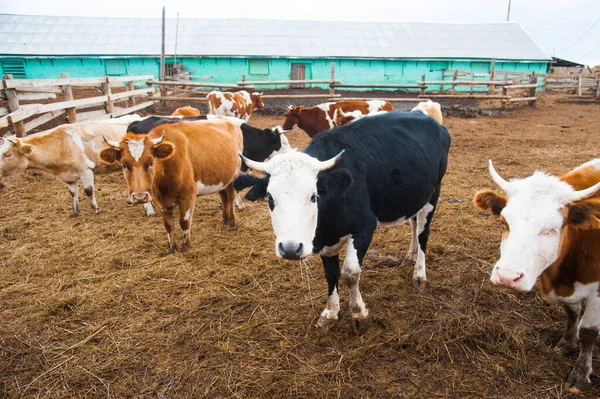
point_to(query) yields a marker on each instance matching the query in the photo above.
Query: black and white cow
(381, 170)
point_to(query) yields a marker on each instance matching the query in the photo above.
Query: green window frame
(438, 65)
(258, 67)
(115, 67)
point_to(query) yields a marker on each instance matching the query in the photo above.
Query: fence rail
(43, 89)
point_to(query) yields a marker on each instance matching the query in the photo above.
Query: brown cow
(551, 233)
(323, 117)
(175, 162)
(239, 105)
(186, 111)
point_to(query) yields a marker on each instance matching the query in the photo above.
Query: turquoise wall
(230, 70)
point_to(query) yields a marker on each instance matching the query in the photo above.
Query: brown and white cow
(323, 116)
(177, 161)
(186, 111)
(551, 234)
(239, 104)
(68, 152)
(430, 108)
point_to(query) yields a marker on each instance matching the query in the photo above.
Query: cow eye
(6, 154)
(549, 232)
(271, 201)
(313, 198)
(151, 164)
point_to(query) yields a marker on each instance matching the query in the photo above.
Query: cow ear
(259, 186)
(110, 155)
(488, 200)
(584, 214)
(335, 183)
(163, 150)
(26, 149)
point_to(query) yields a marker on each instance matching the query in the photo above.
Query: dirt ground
(89, 308)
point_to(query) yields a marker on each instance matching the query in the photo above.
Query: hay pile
(89, 308)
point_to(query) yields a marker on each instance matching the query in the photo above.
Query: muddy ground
(89, 308)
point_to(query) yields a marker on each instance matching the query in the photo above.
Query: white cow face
(533, 216)
(13, 156)
(292, 196)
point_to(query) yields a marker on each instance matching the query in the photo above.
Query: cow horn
(330, 163)
(158, 140)
(497, 178)
(110, 143)
(279, 130)
(583, 194)
(254, 165)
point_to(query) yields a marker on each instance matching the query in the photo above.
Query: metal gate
(298, 73)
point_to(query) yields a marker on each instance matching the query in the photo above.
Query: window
(115, 67)
(14, 67)
(394, 68)
(259, 67)
(480, 66)
(438, 65)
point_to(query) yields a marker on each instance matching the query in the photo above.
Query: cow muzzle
(512, 279)
(139, 198)
(291, 250)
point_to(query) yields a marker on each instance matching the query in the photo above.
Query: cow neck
(309, 120)
(577, 261)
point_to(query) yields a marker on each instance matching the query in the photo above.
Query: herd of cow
(365, 166)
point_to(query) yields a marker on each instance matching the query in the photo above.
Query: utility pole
(508, 13)
(163, 91)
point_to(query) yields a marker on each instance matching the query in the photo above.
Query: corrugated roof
(52, 35)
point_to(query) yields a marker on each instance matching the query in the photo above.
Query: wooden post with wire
(332, 84)
(68, 93)
(13, 105)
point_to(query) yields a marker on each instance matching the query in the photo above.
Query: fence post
(68, 93)
(492, 76)
(108, 105)
(243, 81)
(130, 100)
(532, 80)
(423, 85)
(332, 84)
(579, 89)
(453, 79)
(13, 105)
(598, 89)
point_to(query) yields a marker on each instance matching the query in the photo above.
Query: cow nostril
(281, 249)
(519, 277)
(299, 249)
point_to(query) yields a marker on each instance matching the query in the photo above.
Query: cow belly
(203, 189)
(392, 223)
(582, 291)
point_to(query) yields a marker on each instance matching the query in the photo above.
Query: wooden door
(298, 73)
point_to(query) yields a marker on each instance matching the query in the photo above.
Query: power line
(591, 51)
(584, 35)
(563, 16)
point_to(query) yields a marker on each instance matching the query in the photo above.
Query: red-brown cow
(175, 162)
(323, 117)
(186, 111)
(239, 104)
(551, 233)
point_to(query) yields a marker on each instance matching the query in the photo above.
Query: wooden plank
(23, 113)
(19, 83)
(84, 116)
(4, 111)
(283, 82)
(525, 86)
(173, 98)
(465, 82)
(300, 96)
(68, 94)
(383, 86)
(123, 79)
(4, 122)
(198, 84)
(522, 99)
(127, 94)
(391, 99)
(41, 89)
(133, 109)
(483, 96)
(43, 119)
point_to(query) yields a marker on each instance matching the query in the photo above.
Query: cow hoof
(229, 223)
(184, 248)
(324, 322)
(360, 326)
(95, 211)
(566, 348)
(420, 284)
(169, 251)
(74, 214)
(576, 381)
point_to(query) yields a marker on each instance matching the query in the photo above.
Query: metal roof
(60, 36)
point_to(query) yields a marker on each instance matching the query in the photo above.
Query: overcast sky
(567, 29)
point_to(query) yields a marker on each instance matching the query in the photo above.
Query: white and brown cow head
(257, 100)
(292, 193)
(534, 213)
(137, 154)
(14, 156)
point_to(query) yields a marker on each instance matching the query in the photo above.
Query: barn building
(227, 49)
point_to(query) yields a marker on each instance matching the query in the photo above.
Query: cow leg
(87, 180)
(356, 248)
(579, 377)
(413, 250)
(331, 264)
(568, 343)
(423, 221)
(75, 194)
(186, 212)
(238, 201)
(228, 199)
(169, 221)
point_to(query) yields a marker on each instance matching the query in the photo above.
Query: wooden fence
(580, 84)
(16, 90)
